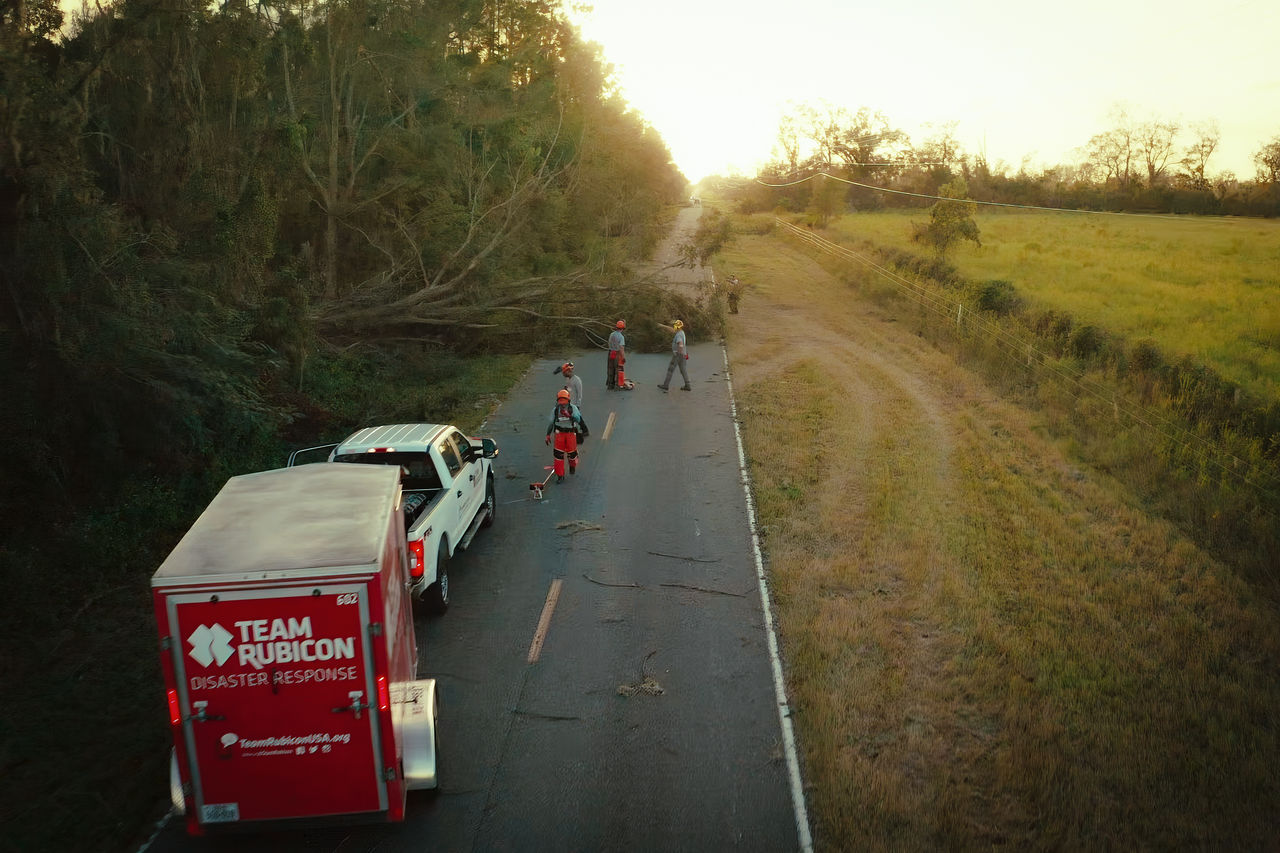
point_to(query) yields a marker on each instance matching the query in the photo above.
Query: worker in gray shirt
(572, 383)
(679, 355)
(617, 355)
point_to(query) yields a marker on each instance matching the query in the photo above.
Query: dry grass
(988, 644)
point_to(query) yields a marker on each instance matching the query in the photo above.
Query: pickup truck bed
(449, 493)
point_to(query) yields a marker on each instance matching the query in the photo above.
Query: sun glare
(1018, 85)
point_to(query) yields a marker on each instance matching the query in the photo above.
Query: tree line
(1153, 165)
(196, 198)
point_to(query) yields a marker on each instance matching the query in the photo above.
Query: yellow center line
(608, 427)
(544, 623)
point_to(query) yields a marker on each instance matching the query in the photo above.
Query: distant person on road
(617, 355)
(679, 355)
(572, 383)
(569, 429)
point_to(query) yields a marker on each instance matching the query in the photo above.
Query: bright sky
(1021, 78)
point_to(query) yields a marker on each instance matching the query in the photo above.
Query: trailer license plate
(221, 813)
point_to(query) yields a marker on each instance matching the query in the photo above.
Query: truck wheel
(437, 594)
(490, 504)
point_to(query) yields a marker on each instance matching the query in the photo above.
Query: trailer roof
(317, 516)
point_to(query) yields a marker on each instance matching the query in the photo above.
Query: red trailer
(287, 643)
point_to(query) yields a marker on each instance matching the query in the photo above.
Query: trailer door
(279, 701)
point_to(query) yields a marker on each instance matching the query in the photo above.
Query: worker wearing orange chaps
(568, 426)
(617, 355)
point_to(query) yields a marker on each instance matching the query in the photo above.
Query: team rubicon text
(267, 641)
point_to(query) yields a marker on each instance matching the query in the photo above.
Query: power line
(1161, 217)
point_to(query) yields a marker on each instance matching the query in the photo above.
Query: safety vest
(564, 419)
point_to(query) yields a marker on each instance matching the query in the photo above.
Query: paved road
(685, 280)
(650, 719)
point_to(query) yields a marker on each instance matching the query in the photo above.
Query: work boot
(573, 469)
(663, 387)
(560, 478)
(686, 388)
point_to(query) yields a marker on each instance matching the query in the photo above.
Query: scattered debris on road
(705, 589)
(681, 557)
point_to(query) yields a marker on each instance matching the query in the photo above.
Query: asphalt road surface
(649, 719)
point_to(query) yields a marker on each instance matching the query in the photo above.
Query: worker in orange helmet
(617, 355)
(569, 429)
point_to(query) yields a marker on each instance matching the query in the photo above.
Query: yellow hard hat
(678, 325)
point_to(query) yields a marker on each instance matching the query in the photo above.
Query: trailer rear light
(175, 712)
(384, 697)
(417, 558)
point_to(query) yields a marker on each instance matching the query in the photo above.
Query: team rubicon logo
(267, 641)
(210, 644)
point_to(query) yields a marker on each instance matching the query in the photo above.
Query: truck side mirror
(490, 447)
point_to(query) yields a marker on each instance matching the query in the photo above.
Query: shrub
(1146, 356)
(998, 297)
(1086, 342)
(1052, 324)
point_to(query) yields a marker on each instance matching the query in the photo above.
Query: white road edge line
(160, 825)
(779, 685)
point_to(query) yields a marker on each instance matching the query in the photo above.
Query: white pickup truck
(448, 491)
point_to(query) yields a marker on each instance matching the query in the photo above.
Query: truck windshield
(421, 471)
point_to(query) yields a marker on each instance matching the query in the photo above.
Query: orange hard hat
(621, 324)
(568, 365)
(562, 396)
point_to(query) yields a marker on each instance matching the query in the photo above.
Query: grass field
(1208, 288)
(988, 641)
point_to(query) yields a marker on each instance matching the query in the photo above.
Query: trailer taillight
(384, 697)
(417, 558)
(175, 712)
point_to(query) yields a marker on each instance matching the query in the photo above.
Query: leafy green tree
(712, 234)
(950, 220)
(827, 199)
